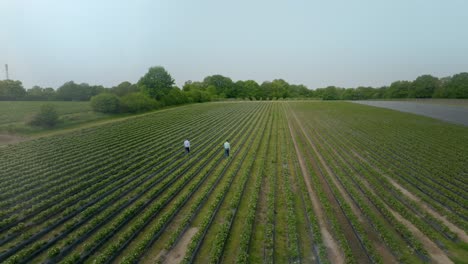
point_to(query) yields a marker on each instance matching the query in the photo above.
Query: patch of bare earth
(335, 254)
(378, 244)
(176, 255)
(436, 254)
(455, 229)
(6, 139)
(351, 237)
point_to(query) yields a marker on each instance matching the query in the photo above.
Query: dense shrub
(138, 102)
(105, 103)
(46, 117)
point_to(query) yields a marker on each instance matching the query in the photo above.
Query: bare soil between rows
(334, 252)
(177, 254)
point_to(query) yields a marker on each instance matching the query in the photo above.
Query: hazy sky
(317, 43)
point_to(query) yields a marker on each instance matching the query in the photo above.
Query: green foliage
(423, 87)
(138, 102)
(105, 103)
(398, 89)
(156, 83)
(71, 91)
(175, 97)
(40, 94)
(330, 93)
(11, 90)
(453, 87)
(221, 85)
(124, 88)
(46, 117)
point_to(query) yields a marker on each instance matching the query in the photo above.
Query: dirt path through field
(176, 255)
(460, 232)
(436, 254)
(6, 139)
(334, 252)
(380, 247)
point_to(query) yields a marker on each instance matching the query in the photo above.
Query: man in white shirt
(187, 146)
(227, 147)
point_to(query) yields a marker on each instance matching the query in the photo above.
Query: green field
(14, 115)
(306, 182)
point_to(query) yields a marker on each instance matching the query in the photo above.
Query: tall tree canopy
(156, 83)
(11, 90)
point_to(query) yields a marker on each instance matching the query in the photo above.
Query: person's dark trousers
(187, 150)
(226, 152)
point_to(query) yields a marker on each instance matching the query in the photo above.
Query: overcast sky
(346, 43)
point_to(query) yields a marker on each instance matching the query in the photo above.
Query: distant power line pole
(6, 70)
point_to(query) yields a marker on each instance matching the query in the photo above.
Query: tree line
(156, 88)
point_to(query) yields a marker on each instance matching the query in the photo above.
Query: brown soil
(347, 229)
(460, 232)
(6, 139)
(335, 254)
(177, 254)
(380, 247)
(436, 254)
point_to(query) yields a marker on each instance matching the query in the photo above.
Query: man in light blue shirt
(227, 147)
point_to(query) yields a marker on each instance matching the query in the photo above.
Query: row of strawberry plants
(293, 252)
(330, 211)
(222, 234)
(413, 208)
(435, 197)
(250, 205)
(364, 251)
(57, 186)
(207, 243)
(195, 207)
(199, 154)
(246, 235)
(400, 135)
(214, 206)
(316, 246)
(120, 144)
(355, 187)
(126, 237)
(421, 167)
(272, 175)
(430, 195)
(66, 144)
(401, 210)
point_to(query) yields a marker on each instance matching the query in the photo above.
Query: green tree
(423, 87)
(156, 83)
(299, 91)
(124, 88)
(138, 102)
(457, 87)
(11, 90)
(175, 97)
(331, 93)
(223, 85)
(46, 117)
(279, 89)
(71, 91)
(105, 103)
(398, 89)
(38, 93)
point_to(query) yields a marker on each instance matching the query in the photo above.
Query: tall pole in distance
(6, 70)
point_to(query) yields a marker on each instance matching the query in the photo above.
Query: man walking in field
(227, 147)
(187, 146)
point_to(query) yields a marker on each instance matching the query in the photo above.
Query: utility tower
(6, 70)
